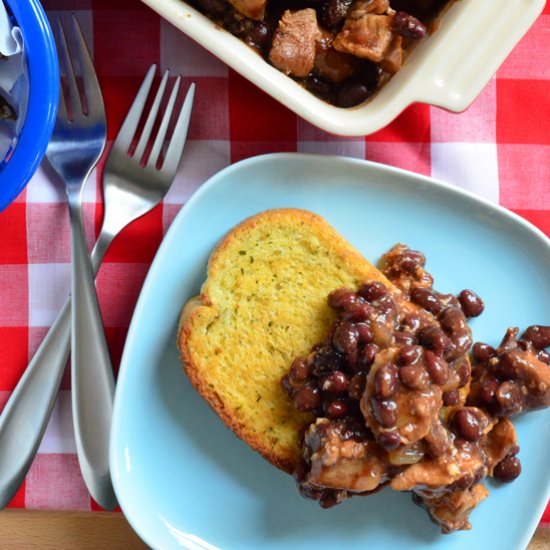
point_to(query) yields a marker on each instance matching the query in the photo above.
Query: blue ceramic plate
(185, 481)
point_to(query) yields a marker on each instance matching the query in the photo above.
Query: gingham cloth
(499, 148)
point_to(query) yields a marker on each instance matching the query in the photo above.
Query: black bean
(538, 335)
(471, 479)
(318, 86)
(468, 424)
(437, 367)
(415, 377)
(408, 26)
(336, 409)
(508, 469)
(464, 372)
(353, 92)
(341, 298)
(451, 398)
(345, 338)
(434, 338)
(408, 355)
(403, 338)
(472, 305)
(259, 35)
(410, 260)
(386, 305)
(456, 327)
(385, 381)
(505, 367)
(335, 382)
(367, 355)
(423, 279)
(365, 333)
(427, 299)
(299, 370)
(307, 398)
(369, 73)
(389, 440)
(511, 365)
(482, 352)
(333, 13)
(412, 322)
(358, 312)
(373, 291)
(464, 483)
(508, 397)
(385, 412)
(487, 390)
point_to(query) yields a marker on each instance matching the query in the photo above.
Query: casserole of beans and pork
(340, 50)
(400, 396)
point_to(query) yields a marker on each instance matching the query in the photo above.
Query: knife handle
(25, 417)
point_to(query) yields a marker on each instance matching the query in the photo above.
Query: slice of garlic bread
(263, 304)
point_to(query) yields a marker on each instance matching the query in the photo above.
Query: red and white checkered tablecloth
(499, 148)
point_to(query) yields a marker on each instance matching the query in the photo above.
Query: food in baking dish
(340, 50)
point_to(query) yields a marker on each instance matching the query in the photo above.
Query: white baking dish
(448, 69)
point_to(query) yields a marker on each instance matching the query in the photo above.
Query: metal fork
(76, 145)
(130, 190)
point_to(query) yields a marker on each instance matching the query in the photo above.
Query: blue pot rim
(43, 69)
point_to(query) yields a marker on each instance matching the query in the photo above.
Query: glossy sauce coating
(394, 376)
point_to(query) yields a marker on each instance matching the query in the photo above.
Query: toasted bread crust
(263, 304)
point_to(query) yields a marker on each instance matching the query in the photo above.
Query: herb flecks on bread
(263, 304)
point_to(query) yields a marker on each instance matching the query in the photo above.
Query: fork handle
(93, 384)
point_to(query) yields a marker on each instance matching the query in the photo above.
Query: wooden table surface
(27, 530)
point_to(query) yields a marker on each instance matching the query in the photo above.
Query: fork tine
(175, 149)
(62, 113)
(74, 94)
(147, 129)
(159, 140)
(92, 91)
(130, 124)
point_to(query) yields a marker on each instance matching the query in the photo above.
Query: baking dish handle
(453, 76)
